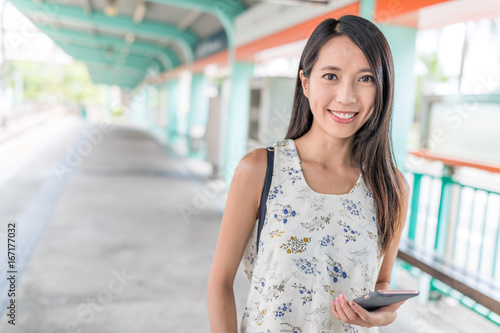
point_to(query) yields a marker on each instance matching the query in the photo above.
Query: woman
(337, 204)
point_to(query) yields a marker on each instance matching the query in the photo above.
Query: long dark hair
(372, 147)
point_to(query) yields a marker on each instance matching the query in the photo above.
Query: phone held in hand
(381, 298)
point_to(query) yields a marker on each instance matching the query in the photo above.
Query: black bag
(265, 192)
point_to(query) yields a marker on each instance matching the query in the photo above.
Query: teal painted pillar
(237, 116)
(198, 115)
(145, 116)
(367, 9)
(138, 108)
(172, 108)
(402, 43)
(444, 211)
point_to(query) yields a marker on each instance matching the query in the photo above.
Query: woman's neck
(329, 152)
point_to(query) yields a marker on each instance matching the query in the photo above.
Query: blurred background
(122, 121)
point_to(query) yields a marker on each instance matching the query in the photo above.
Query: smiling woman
(336, 206)
(344, 92)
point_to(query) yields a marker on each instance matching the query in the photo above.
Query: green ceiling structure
(100, 40)
(225, 10)
(168, 58)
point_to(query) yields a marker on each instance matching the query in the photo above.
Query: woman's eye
(367, 78)
(330, 76)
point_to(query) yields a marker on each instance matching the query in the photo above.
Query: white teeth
(343, 115)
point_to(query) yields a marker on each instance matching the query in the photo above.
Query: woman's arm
(384, 276)
(350, 312)
(238, 221)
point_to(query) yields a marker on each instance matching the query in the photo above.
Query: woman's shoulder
(249, 176)
(254, 164)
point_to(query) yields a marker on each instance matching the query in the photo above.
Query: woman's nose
(346, 93)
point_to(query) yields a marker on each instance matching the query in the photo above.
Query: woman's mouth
(343, 117)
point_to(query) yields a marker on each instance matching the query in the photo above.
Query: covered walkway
(116, 223)
(124, 236)
(116, 255)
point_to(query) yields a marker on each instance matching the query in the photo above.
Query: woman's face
(341, 88)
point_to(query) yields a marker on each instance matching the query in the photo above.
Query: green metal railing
(463, 227)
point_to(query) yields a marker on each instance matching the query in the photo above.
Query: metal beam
(118, 55)
(54, 11)
(229, 8)
(98, 60)
(100, 67)
(225, 10)
(95, 61)
(112, 83)
(108, 56)
(87, 6)
(115, 71)
(188, 20)
(166, 56)
(115, 78)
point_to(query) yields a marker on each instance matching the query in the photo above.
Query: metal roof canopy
(143, 35)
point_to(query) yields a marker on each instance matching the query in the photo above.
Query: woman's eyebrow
(333, 68)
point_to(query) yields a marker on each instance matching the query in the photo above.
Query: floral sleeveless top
(313, 247)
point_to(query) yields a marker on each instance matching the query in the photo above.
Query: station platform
(117, 232)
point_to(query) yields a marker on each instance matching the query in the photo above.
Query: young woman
(337, 204)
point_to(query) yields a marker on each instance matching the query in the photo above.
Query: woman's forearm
(382, 286)
(222, 309)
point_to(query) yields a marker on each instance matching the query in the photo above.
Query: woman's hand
(352, 313)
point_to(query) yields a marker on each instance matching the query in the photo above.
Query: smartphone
(381, 298)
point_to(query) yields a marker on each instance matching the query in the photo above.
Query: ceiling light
(129, 37)
(111, 8)
(139, 12)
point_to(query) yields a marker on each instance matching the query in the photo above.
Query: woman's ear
(305, 83)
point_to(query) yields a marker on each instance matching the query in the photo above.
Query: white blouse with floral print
(312, 248)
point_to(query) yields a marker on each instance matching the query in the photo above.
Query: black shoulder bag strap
(265, 192)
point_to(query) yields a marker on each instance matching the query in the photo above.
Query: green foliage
(63, 83)
(434, 69)
(434, 74)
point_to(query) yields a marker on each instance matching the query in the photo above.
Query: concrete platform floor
(104, 247)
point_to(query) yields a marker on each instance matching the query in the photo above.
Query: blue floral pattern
(306, 294)
(353, 208)
(307, 266)
(289, 152)
(283, 309)
(335, 270)
(313, 247)
(275, 192)
(327, 241)
(294, 174)
(349, 233)
(285, 213)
